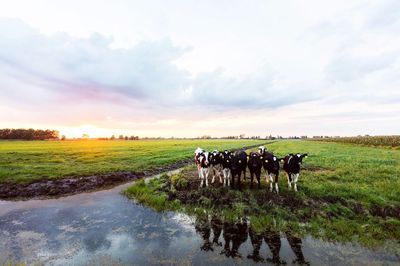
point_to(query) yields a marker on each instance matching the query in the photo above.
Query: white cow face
(204, 158)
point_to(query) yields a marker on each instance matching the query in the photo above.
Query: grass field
(367, 174)
(346, 193)
(25, 161)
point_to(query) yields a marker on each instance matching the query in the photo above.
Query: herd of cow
(230, 165)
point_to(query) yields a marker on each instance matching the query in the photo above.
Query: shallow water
(106, 228)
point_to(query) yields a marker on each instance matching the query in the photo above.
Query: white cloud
(234, 65)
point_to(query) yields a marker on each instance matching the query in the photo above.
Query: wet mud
(72, 185)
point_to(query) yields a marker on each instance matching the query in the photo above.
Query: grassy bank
(347, 193)
(25, 161)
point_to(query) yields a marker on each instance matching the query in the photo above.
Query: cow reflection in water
(295, 243)
(216, 225)
(256, 242)
(203, 227)
(273, 240)
(235, 234)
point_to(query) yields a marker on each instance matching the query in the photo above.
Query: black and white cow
(254, 164)
(204, 168)
(216, 166)
(226, 161)
(271, 167)
(265, 156)
(197, 153)
(238, 165)
(291, 165)
(262, 149)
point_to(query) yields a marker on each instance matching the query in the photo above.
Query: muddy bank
(72, 185)
(257, 200)
(77, 184)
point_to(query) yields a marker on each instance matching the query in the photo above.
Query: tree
(112, 137)
(121, 137)
(63, 137)
(28, 134)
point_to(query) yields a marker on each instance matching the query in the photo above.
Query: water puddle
(105, 228)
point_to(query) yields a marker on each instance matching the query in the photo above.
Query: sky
(193, 68)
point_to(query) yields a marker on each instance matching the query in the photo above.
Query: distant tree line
(122, 137)
(28, 134)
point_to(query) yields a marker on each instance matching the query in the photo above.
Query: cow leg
(198, 171)
(296, 177)
(294, 184)
(220, 174)
(258, 179)
(229, 177)
(202, 178)
(276, 183)
(224, 173)
(240, 173)
(212, 174)
(271, 182)
(289, 180)
(251, 179)
(206, 175)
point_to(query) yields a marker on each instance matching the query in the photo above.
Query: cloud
(89, 69)
(186, 73)
(348, 67)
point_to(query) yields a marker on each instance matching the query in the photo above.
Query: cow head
(254, 160)
(204, 159)
(298, 157)
(226, 157)
(239, 160)
(261, 149)
(275, 163)
(215, 157)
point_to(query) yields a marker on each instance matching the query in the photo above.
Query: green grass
(341, 188)
(367, 174)
(25, 161)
